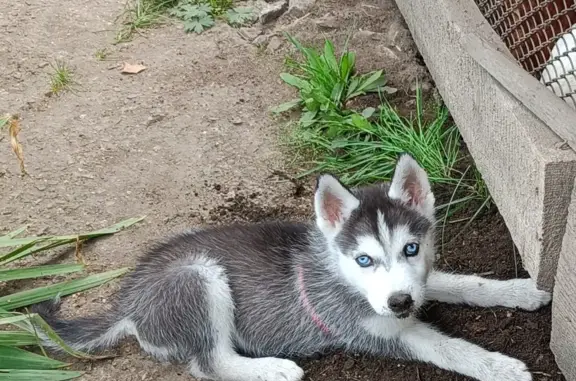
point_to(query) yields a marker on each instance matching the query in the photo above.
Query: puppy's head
(382, 236)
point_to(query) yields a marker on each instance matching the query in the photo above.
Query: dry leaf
(13, 130)
(132, 68)
(78, 253)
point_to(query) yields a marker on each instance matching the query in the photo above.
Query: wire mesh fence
(541, 35)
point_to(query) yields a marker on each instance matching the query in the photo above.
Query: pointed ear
(333, 204)
(410, 185)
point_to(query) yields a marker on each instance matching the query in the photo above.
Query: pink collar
(307, 305)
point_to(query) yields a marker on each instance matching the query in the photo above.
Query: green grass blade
(15, 358)
(295, 42)
(17, 338)
(294, 81)
(30, 244)
(8, 242)
(107, 231)
(30, 249)
(474, 216)
(286, 106)
(348, 71)
(37, 272)
(37, 375)
(34, 324)
(336, 95)
(11, 318)
(346, 66)
(14, 233)
(37, 295)
(352, 87)
(38, 324)
(330, 58)
(370, 82)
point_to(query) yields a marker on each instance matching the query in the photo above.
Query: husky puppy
(235, 303)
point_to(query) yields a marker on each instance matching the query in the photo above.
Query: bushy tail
(87, 334)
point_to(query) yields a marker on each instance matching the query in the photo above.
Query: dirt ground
(190, 141)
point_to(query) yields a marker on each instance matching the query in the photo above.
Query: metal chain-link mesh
(541, 35)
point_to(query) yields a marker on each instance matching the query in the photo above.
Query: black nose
(400, 302)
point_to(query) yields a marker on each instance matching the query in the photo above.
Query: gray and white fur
(235, 303)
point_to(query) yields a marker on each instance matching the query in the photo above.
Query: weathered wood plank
(563, 340)
(543, 103)
(529, 172)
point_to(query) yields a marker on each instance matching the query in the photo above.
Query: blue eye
(411, 249)
(364, 261)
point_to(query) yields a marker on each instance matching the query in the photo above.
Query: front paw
(504, 368)
(525, 295)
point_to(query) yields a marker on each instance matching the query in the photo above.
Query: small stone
(230, 196)
(398, 34)
(390, 53)
(42, 65)
(236, 122)
(274, 44)
(366, 35)
(424, 86)
(327, 21)
(272, 11)
(349, 364)
(154, 119)
(261, 40)
(299, 8)
(30, 104)
(250, 34)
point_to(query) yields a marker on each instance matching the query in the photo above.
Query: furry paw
(525, 295)
(504, 368)
(273, 369)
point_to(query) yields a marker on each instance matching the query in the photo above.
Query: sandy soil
(188, 141)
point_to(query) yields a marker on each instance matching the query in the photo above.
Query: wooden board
(528, 168)
(544, 104)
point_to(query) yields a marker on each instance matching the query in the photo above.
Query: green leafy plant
(102, 54)
(4, 120)
(141, 14)
(326, 82)
(219, 6)
(62, 78)
(20, 364)
(363, 147)
(197, 17)
(240, 16)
